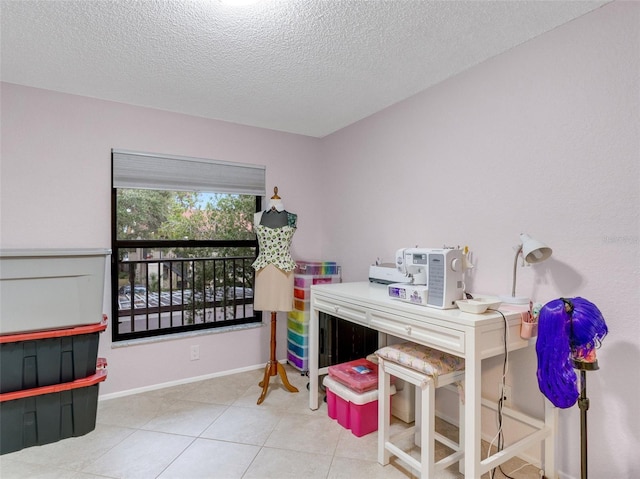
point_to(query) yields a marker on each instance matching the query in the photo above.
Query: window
(182, 243)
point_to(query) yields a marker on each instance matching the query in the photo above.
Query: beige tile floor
(215, 429)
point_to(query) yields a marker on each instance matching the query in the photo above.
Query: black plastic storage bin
(48, 414)
(43, 358)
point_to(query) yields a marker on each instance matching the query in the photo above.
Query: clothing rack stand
(273, 367)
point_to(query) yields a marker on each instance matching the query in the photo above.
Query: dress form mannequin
(274, 276)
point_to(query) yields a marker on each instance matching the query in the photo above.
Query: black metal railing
(168, 294)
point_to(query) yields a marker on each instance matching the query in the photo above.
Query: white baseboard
(178, 382)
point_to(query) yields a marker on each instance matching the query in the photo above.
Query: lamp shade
(533, 251)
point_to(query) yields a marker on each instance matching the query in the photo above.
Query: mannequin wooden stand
(273, 367)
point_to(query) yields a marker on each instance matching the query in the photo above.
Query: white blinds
(178, 173)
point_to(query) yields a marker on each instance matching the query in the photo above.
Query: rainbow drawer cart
(306, 274)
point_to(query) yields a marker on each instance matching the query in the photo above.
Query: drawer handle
(408, 329)
(336, 308)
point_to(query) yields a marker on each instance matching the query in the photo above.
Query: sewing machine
(434, 276)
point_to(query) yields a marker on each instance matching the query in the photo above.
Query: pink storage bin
(357, 412)
(360, 375)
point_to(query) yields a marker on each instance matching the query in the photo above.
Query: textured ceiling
(301, 66)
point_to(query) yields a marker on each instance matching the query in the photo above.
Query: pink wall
(55, 187)
(543, 139)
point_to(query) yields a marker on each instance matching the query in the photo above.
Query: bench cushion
(424, 359)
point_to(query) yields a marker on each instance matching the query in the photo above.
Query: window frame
(120, 244)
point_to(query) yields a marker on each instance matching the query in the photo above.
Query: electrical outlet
(195, 352)
(504, 392)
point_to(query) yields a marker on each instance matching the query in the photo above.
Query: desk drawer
(444, 339)
(341, 309)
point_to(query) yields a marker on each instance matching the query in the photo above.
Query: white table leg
(472, 408)
(314, 328)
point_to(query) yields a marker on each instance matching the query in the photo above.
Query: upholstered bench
(427, 369)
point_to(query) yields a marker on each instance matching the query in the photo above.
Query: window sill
(191, 334)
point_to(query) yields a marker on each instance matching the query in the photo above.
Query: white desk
(471, 336)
